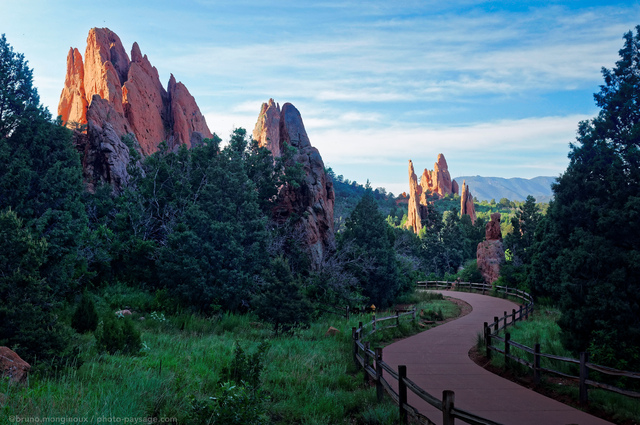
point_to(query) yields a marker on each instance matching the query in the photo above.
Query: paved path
(438, 360)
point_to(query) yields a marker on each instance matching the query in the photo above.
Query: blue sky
(498, 87)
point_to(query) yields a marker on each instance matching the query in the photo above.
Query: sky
(498, 87)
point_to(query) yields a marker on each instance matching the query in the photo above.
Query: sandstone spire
(109, 88)
(414, 220)
(466, 203)
(313, 201)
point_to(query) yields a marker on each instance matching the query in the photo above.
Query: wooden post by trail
(536, 364)
(496, 323)
(354, 335)
(507, 348)
(584, 375)
(402, 394)
(379, 387)
(487, 339)
(513, 316)
(366, 362)
(448, 401)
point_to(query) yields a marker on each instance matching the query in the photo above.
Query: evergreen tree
(85, 318)
(587, 251)
(28, 322)
(40, 172)
(372, 239)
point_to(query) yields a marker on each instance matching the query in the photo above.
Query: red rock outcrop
(12, 366)
(490, 253)
(466, 203)
(433, 184)
(414, 219)
(438, 182)
(136, 102)
(313, 201)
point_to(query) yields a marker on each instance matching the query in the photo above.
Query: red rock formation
(490, 253)
(414, 220)
(438, 182)
(313, 201)
(466, 203)
(73, 101)
(12, 366)
(267, 129)
(136, 102)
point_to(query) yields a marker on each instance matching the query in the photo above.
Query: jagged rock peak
(109, 88)
(313, 201)
(133, 88)
(466, 202)
(490, 253)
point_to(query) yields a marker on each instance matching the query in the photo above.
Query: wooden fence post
(536, 364)
(520, 312)
(379, 388)
(397, 318)
(513, 316)
(584, 375)
(507, 349)
(487, 339)
(354, 335)
(448, 401)
(402, 394)
(413, 314)
(505, 319)
(366, 361)
(496, 324)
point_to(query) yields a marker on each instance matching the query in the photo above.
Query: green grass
(309, 378)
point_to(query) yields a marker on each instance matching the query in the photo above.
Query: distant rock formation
(433, 184)
(466, 203)
(313, 201)
(490, 253)
(126, 94)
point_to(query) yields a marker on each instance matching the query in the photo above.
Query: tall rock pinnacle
(313, 201)
(490, 253)
(414, 219)
(466, 203)
(110, 88)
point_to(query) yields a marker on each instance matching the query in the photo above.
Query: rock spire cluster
(114, 96)
(313, 200)
(436, 183)
(490, 253)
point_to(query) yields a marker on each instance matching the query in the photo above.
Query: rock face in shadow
(110, 88)
(490, 253)
(312, 203)
(466, 203)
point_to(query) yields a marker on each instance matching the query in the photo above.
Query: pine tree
(85, 318)
(587, 251)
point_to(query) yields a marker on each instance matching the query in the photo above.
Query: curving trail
(438, 360)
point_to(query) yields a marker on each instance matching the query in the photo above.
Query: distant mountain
(514, 189)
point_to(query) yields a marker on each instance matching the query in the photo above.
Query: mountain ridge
(514, 189)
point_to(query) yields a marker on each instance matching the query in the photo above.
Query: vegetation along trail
(438, 360)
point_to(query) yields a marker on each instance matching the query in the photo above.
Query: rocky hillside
(514, 189)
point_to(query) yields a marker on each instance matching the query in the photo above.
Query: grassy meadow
(306, 377)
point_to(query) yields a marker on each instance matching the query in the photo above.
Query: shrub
(118, 335)
(85, 318)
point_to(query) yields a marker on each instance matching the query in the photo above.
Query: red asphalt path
(438, 360)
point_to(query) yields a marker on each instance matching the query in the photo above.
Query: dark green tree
(40, 173)
(368, 236)
(587, 252)
(520, 240)
(280, 301)
(28, 322)
(85, 318)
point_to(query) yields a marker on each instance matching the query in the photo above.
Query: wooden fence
(491, 334)
(377, 370)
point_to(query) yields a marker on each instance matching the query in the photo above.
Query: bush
(118, 335)
(85, 318)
